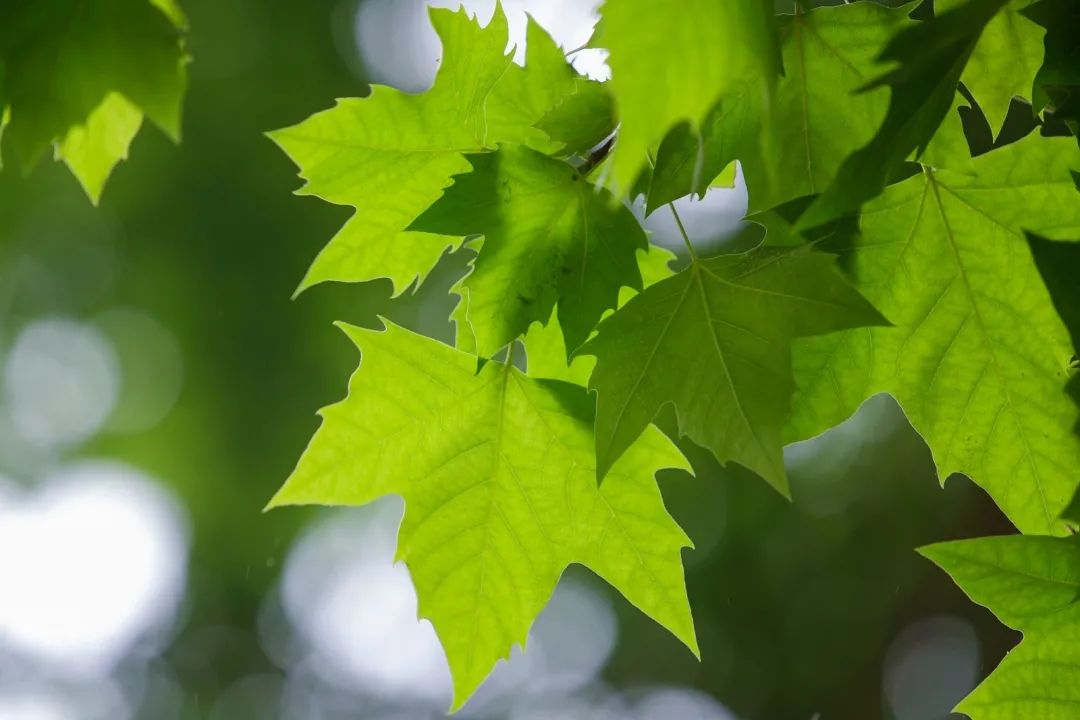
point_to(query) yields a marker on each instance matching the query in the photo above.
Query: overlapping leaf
(391, 154)
(545, 347)
(1059, 265)
(1057, 83)
(581, 119)
(819, 113)
(690, 158)
(930, 57)
(80, 76)
(715, 340)
(500, 491)
(1004, 60)
(977, 356)
(548, 236)
(1031, 584)
(672, 62)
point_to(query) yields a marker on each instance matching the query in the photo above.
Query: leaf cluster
(910, 170)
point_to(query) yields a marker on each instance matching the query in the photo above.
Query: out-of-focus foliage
(80, 75)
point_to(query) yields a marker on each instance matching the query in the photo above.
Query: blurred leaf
(929, 59)
(672, 62)
(391, 154)
(714, 340)
(726, 178)
(498, 477)
(1031, 584)
(549, 236)
(93, 149)
(978, 355)
(81, 74)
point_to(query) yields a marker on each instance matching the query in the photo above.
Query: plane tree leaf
(1004, 61)
(715, 341)
(498, 476)
(689, 159)
(977, 355)
(929, 58)
(672, 62)
(1057, 82)
(79, 76)
(582, 119)
(1059, 265)
(391, 154)
(821, 109)
(895, 260)
(1031, 584)
(545, 347)
(548, 236)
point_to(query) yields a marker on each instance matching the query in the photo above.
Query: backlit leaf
(715, 341)
(1031, 584)
(977, 356)
(500, 491)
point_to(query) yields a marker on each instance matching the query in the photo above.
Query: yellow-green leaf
(498, 475)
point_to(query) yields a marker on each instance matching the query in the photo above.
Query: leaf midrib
(977, 313)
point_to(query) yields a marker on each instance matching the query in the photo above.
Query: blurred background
(157, 385)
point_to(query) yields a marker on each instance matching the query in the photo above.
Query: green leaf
(949, 148)
(524, 96)
(391, 154)
(549, 236)
(672, 62)
(726, 177)
(1031, 584)
(582, 119)
(929, 57)
(1059, 265)
(977, 356)
(690, 159)
(820, 113)
(93, 149)
(80, 75)
(1057, 83)
(1072, 512)
(715, 340)
(498, 476)
(544, 344)
(1004, 61)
